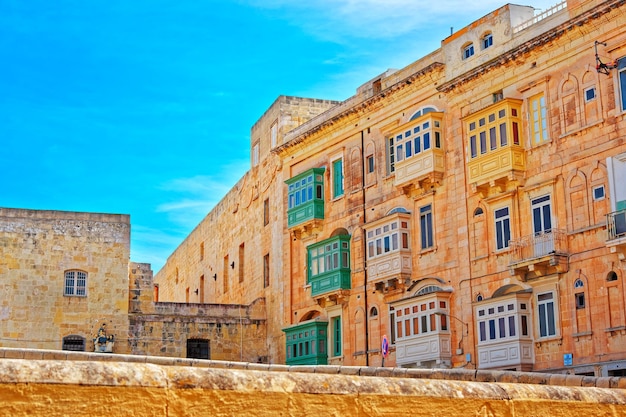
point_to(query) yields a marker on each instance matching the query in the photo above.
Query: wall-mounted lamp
(196, 291)
(232, 265)
(456, 318)
(214, 277)
(460, 348)
(601, 67)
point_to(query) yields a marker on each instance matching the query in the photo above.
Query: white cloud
(336, 20)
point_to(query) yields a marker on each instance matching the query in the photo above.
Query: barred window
(74, 343)
(75, 283)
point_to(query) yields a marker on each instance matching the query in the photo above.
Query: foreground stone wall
(66, 388)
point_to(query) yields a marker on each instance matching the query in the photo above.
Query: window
(389, 237)
(201, 251)
(274, 134)
(505, 320)
(225, 266)
(547, 320)
(328, 256)
(422, 135)
(337, 181)
(75, 283)
(391, 158)
(590, 94)
(328, 264)
(392, 326)
(598, 193)
(468, 50)
(241, 261)
(370, 164)
(486, 41)
(74, 343)
(266, 212)
(255, 154)
(579, 297)
(426, 227)
(423, 315)
(542, 216)
(305, 197)
(198, 349)
(503, 228)
(336, 336)
(621, 71)
(494, 128)
(266, 270)
(538, 119)
(306, 343)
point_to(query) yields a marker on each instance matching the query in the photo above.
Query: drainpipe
(364, 239)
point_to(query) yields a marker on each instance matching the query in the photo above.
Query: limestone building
(469, 207)
(66, 283)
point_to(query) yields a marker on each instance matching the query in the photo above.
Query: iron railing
(538, 245)
(616, 224)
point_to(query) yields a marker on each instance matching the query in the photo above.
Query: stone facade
(116, 301)
(37, 249)
(479, 191)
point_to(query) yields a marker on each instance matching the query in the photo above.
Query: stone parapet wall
(467, 375)
(68, 388)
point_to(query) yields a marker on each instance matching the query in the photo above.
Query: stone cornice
(531, 44)
(346, 109)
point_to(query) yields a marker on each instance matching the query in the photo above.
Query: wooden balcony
(506, 354)
(539, 254)
(427, 350)
(497, 157)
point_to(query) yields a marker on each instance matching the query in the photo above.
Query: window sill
(616, 330)
(582, 334)
(427, 251)
(549, 339)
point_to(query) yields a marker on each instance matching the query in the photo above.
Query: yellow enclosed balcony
(418, 151)
(497, 158)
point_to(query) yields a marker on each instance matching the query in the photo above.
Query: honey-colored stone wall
(62, 388)
(36, 248)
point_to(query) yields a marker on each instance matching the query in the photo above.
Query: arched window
(479, 297)
(373, 312)
(423, 111)
(468, 50)
(429, 289)
(611, 276)
(478, 211)
(579, 297)
(75, 283)
(486, 40)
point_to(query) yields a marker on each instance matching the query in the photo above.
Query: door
(543, 238)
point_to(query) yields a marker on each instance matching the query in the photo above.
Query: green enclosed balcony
(305, 198)
(329, 266)
(306, 343)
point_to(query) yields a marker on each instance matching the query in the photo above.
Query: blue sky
(145, 107)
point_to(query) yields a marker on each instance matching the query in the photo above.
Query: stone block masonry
(72, 388)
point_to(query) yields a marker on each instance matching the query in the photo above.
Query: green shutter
(337, 178)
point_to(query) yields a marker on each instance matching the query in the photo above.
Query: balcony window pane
(483, 142)
(493, 142)
(503, 140)
(492, 329)
(473, 151)
(502, 328)
(483, 331)
(511, 326)
(426, 141)
(394, 241)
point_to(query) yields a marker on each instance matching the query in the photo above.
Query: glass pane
(483, 331)
(426, 141)
(501, 327)
(394, 241)
(511, 325)
(493, 142)
(492, 329)
(503, 141)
